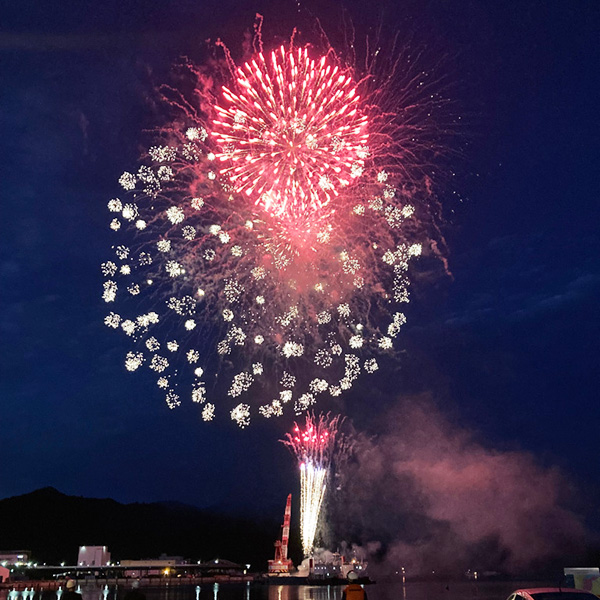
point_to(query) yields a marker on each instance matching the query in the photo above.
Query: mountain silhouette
(53, 525)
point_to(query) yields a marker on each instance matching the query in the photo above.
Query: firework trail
(315, 446)
(266, 238)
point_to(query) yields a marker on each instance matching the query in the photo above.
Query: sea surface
(463, 590)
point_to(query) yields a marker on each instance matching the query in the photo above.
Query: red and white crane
(282, 565)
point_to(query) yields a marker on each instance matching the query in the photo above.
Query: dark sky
(507, 347)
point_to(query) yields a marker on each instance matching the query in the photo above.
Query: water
(232, 591)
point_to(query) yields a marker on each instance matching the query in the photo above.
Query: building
(14, 557)
(148, 567)
(93, 556)
(221, 566)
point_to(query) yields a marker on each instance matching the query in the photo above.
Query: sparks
(268, 234)
(291, 132)
(314, 446)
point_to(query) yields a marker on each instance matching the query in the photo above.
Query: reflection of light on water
(247, 590)
(105, 592)
(215, 591)
(279, 592)
(197, 592)
(320, 592)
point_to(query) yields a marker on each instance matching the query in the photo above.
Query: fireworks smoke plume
(435, 496)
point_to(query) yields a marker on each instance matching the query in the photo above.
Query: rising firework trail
(264, 243)
(315, 446)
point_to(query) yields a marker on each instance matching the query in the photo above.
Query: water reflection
(256, 591)
(304, 592)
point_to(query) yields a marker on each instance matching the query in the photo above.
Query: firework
(293, 136)
(264, 243)
(315, 446)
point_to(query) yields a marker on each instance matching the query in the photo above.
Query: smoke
(437, 499)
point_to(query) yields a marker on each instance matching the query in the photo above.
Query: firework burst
(265, 241)
(315, 446)
(292, 136)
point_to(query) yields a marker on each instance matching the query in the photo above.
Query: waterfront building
(14, 557)
(93, 556)
(148, 567)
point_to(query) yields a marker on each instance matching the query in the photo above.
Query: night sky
(505, 348)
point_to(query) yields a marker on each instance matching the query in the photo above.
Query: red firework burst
(292, 134)
(315, 443)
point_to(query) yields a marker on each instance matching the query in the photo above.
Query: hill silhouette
(53, 525)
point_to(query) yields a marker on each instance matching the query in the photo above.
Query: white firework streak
(313, 484)
(316, 446)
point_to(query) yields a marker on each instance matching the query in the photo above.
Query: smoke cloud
(437, 499)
